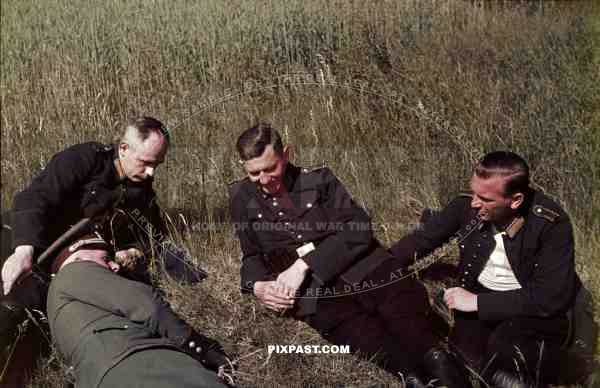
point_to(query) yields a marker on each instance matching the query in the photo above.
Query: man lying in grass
(308, 249)
(114, 332)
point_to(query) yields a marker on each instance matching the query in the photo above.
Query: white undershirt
(497, 274)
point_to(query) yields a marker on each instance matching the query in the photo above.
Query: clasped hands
(278, 295)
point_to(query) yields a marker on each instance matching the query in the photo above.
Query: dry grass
(508, 75)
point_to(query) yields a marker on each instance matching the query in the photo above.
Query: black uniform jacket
(76, 183)
(323, 213)
(539, 246)
(97, 318)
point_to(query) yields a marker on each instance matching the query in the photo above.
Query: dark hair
(505, 164)
(253, 141)
(146, 125)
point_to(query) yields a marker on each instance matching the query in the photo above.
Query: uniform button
(462, 246)
(280, 214)
(484, 235)
(107, 148)
(539, 210)
(535, 265)
(309, 205)
(93, 192)
(299, 236)
(474, 255)
(264, 195)
(466, 272)
(468, 265)
(305, 170)
(478, 245)
(275, 203)
(462, 280)
(259, 215)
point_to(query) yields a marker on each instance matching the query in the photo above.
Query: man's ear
(123, 147)
(516, 200)
(287, 153)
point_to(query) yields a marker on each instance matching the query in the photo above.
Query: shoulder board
(98, 147)
(544, 212)
(316, 167)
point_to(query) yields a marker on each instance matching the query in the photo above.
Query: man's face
(267, 170)
(140, 161)
(489, 198)
(98, 256)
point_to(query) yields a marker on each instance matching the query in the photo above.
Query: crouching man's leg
(398, 336)
(525, 349)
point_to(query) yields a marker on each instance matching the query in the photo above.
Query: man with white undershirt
(497, 274)
(516, 275)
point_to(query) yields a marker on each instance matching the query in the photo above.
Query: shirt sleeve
(253, 268)
(552, 286)
(35, 206)
(436, 231)
(353, 237)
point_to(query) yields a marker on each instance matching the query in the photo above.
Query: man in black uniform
(85, 180)
(301, 234)
(516, 273)
(120, 333)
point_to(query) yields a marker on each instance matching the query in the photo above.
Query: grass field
(397, 97)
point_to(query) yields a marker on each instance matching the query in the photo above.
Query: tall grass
(510, 75)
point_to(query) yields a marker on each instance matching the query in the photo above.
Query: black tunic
(540, 251)
(322, 213)
(78, 182)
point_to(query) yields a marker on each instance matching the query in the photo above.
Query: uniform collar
(289, 176)
(515, 226)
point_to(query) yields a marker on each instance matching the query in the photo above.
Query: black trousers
(527, 346)
(390, 324)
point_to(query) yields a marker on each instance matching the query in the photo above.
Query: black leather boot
(503, 379)
(444, 369)
(10, 318)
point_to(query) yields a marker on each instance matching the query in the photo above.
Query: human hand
(460, 299)
(128, 258)
(16, 266)
(272, 296)
(291, 279)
